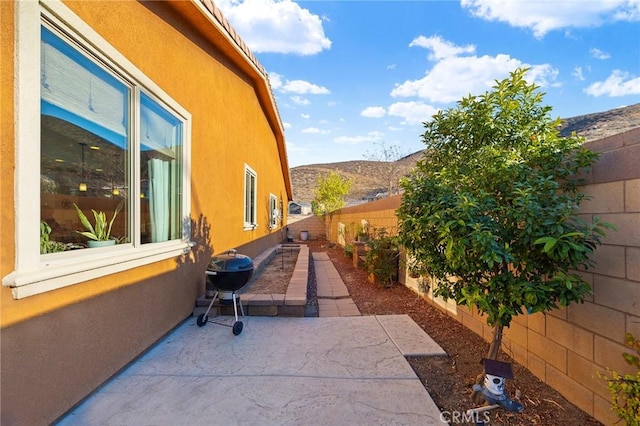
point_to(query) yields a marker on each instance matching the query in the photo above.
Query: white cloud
(293, 148)
(440, 48)
(455, 77)
(373, 112)
(305, 116)
(299, 87)
(299, 100)
(286, 125)
(458, 73)
(391, 66)
(599, 54)
(412, 112)
(316, 131)
(277, 26)
(543, 75)
(619, 83)
(302, 87)
(545, 16)
(577, 73)
(275, 80)
(354, 140)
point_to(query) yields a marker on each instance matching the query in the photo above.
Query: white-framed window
(274, 213)
(250, 198)
(108, 139)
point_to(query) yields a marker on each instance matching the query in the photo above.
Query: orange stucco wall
(197, 75)
(90, 330)
(223, 139)
(7, 147)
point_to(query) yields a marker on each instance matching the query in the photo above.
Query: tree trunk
(492, 353)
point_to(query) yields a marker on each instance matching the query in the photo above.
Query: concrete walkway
(333, 296)
(339, 369)
(278, 371)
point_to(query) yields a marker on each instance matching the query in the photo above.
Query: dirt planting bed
(275, 277)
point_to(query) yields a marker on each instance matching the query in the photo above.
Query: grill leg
(235, 306)
(237, 301)
(241, 308)
(211, 304)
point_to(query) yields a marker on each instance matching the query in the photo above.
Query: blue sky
(352, 76)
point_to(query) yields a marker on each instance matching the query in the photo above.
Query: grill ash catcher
(227, 273)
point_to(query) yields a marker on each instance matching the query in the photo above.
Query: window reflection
(84, 143)
(160, 173)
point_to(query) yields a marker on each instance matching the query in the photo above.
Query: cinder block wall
(567, 348)
(377, 214)
(313, 224)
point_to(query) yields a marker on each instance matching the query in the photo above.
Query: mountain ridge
(366, 174)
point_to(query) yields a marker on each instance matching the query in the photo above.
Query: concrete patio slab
(410, 339)
(279, 371)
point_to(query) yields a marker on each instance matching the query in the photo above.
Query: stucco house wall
(567, 348)
(60, 345)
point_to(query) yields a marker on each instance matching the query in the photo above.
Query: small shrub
(381, 259)
(625, 389)
(348, 251)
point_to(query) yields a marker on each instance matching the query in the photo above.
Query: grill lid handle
(232, 252)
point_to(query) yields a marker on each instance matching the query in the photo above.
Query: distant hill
(602, 124)
(365, 174)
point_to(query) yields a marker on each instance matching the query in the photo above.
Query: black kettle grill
(227, 272)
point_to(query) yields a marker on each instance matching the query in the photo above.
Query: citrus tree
(489, 211)
(329, 196)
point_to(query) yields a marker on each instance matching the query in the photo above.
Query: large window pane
(84, 144)
(160, 173)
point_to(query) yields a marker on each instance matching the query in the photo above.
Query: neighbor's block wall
(378, 214)
(567, 348)
(313, 224)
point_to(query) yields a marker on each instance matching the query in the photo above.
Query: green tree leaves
(490, 210)
(330, 193)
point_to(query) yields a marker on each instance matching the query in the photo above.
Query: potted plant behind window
(46, 244)
(99, 234)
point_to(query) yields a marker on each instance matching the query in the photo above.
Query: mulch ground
(449, 379)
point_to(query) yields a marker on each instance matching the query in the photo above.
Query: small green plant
(101, 231)
(381, 259)
(362, 233)
(625, 389)
(348, 250)
(46, 245)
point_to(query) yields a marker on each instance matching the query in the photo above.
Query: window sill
(61, 270)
